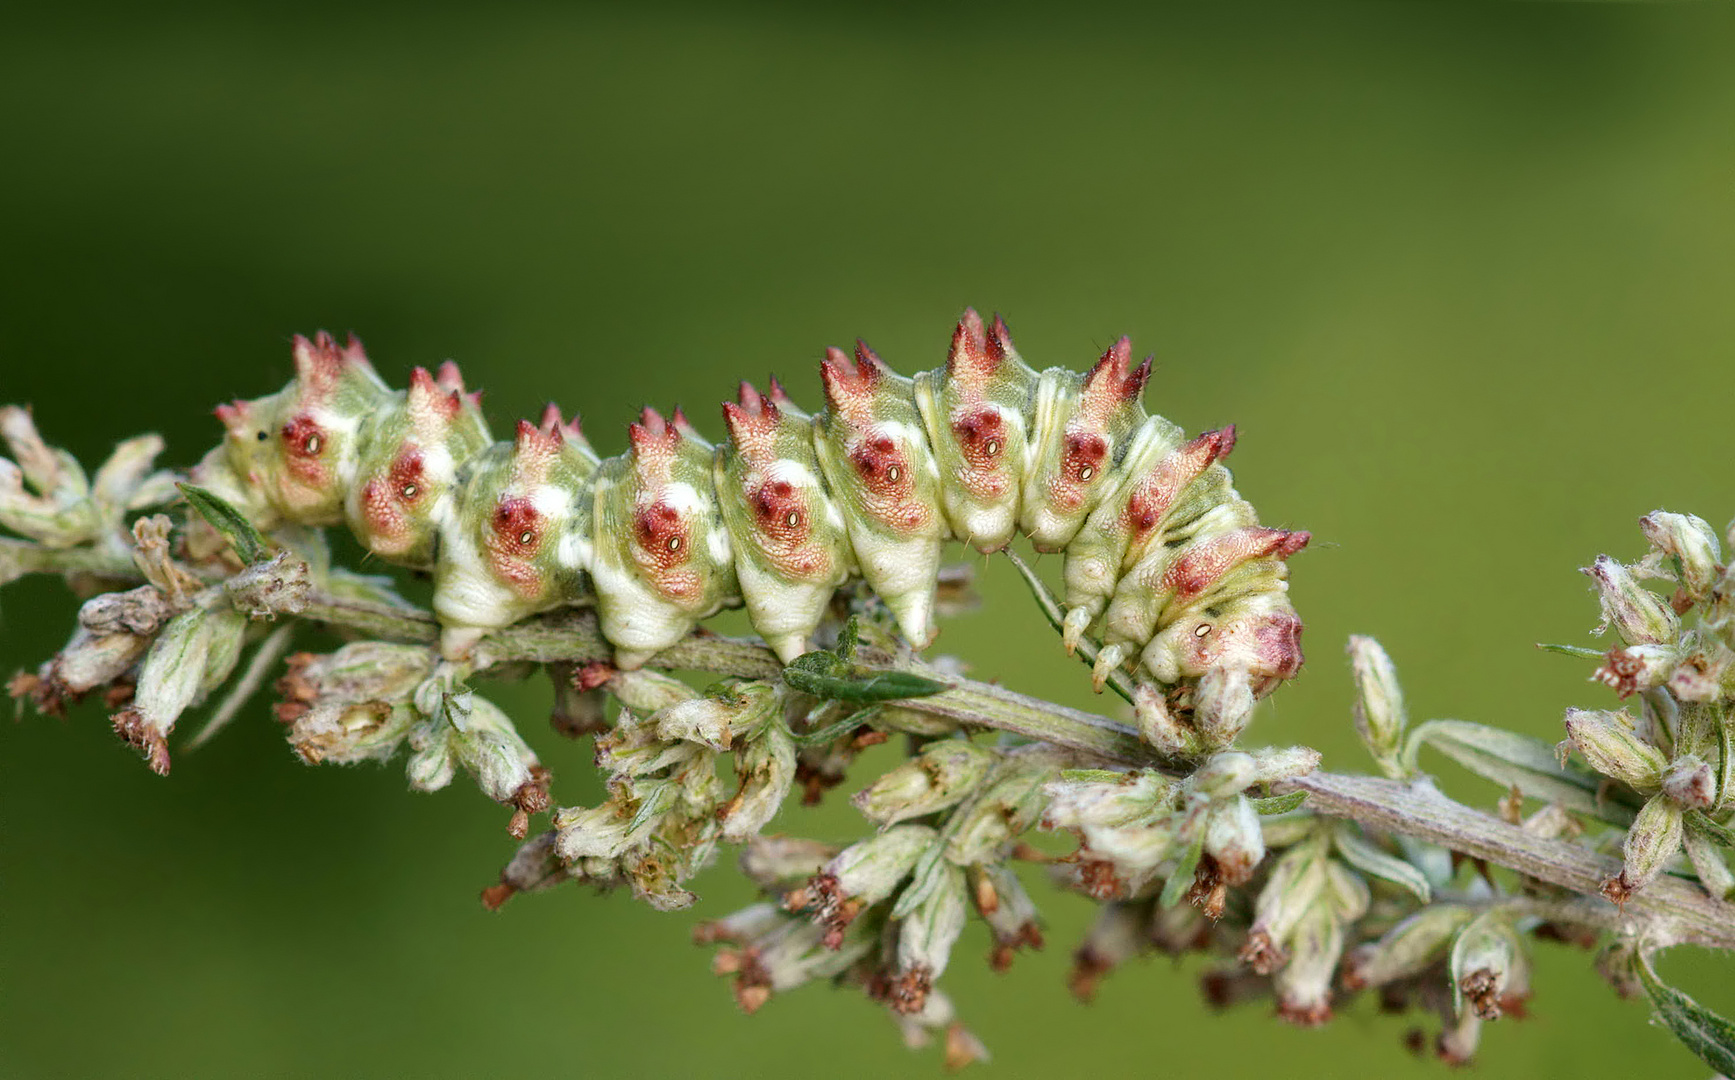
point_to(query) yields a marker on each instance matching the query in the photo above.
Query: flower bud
(1652, 840)
(1117, 936)
(1291, 889)
(962, 1047)
(1007, 908)
(1236, 840)
(1379, 705)
(779, 863)
(1272, 764)
(1691, 783)
(1608, 741)
(1701, 675)
(1159, 725)
(1224, 775)
(1106, 803)
(1637, 667)
(534, 867)
(493, 752)
(1640, 616)
(728, 709)
(1304, 984)
(943, 774)
(1487, 967)
(925, 940)
(1458, 1042)
(765, 768)
(1007, 806)
(354, 704)
(195, 650)
(861, 875)
(646, 691)
(601, 832)
(1223, 705)
(44, 496)
(778, 953)
(1707, 860)
(125, 481)
(1689, 541)
(1407, 949)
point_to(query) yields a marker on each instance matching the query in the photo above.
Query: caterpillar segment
(1162, 558)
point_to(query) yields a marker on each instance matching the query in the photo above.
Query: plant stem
(1672, 910)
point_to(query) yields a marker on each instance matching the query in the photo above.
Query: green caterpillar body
(1162, 558)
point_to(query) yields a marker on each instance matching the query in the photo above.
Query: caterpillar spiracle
(1162, 558)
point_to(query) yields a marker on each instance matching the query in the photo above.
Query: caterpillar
(1162, 558)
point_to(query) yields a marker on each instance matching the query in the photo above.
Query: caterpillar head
(409, 465)
(1258, 631)
(298, 447)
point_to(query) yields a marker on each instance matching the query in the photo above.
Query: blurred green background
(1461, 274)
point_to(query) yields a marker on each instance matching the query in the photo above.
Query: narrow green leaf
(1182, 878)
(248, 542)
(1513, 760)
(1279, 804)
(927, 875)
(1725, 760)
(1701, 823)
(1371, 860)
(1710, 1037)
(1571, 650)
(827, 675)
(837, 729)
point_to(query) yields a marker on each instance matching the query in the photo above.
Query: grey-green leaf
(1279, 804)
(1699, 822)
(1709, 1036)
(1513, 760)
(1571, 650)
(1182, 878)
(1371, 860)
(248, 542)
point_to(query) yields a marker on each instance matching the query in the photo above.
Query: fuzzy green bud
(1406, 949)
(1379, 707)
(1007, 806)
(1637, 668)
(1487, 966)
(942, 775)
(196, 650)
(779, 863)
(1689, 541)
(1652, 840)
(1304, 984)
(765, 767)
(925, 939)
(1223, 704)
(1613, 747)
(1691, 782)
(1235, 839)
(1640, 616)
